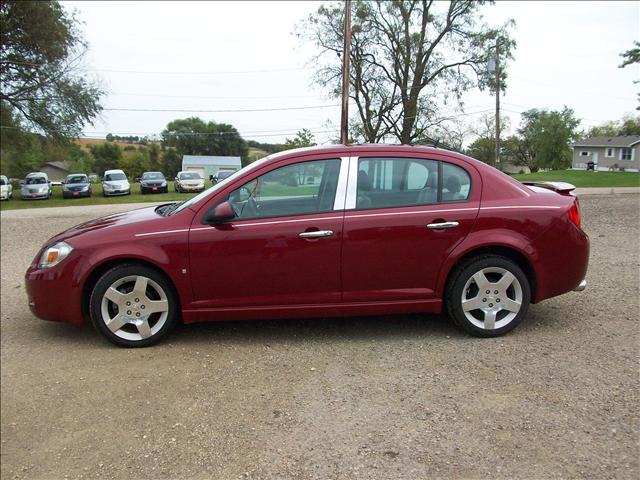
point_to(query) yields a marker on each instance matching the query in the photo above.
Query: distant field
(582, 178)
(96, 199)
(85, 143)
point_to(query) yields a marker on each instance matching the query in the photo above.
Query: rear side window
(396, 182)
(456, 183)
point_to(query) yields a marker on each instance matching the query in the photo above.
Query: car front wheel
(133, 306)
(488, 296)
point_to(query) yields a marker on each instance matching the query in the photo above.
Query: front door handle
(441, 225)
(316, 234)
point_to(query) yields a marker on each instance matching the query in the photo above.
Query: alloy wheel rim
(134, 308)
(492, 298)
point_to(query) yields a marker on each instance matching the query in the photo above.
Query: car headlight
(163, 184)
(85, 188)
(53, 255)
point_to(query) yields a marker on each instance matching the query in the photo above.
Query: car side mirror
(222, 212)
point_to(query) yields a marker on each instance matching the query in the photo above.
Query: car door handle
(441, 225)
(316, 234)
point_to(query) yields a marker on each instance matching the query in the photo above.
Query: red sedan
(333, 231)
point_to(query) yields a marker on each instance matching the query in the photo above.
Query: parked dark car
(76, 185)
(383, 230)
(153, 182)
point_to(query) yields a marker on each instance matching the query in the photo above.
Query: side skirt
(312, 311)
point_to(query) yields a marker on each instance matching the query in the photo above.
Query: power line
(176, 72)
(208, 97)
(217, 111)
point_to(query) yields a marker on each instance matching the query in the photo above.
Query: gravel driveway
(385, 398)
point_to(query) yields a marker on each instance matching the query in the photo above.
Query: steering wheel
(247, 210)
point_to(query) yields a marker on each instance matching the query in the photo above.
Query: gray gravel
(392, 397)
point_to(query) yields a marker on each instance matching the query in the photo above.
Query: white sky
(568, 54)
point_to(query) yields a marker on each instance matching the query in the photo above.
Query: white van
(114, 182)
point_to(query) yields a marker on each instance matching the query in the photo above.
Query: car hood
(132, 221)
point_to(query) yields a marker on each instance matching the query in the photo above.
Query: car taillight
(574, 213)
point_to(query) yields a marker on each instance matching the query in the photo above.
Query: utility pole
(497, 165)
(346, 57)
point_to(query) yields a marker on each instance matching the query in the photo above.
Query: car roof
(144, 173)
(36, 174)
(113, 171)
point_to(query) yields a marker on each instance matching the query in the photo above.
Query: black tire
(128, 270)
(463, 275)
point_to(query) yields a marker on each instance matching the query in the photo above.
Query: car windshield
(77, 179)
(189, 176)
(35, 180)
(152, 176)
(3, 181)
(111, 177)
(219, 185)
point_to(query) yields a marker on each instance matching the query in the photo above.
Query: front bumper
(34, 196)
(53, 294)
(68, 194)
(145, 189)
(112, 193)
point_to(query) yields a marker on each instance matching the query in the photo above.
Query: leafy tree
(631, 56)
(41, 82)
(154, 157)
(304, 138)
(134, 163)
(267, 147)
(406, 58)
(193, 136)
(518, 150)
(548, 135)
(483, 149)
(171, 162)
(106, 156)
(629, 125)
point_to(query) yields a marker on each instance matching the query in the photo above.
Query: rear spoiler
(560, 187)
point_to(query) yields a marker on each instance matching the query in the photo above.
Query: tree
(406, 59)
(629, 125)
(134, 163)
(41, 83)
(304, 138)
(193, 136)
(171, 162)
(106, 156)
(154, 157)
(631, 56)
(483, 149)
(547, 136)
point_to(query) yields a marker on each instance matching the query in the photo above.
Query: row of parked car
(37, 185)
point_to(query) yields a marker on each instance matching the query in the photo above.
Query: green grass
(582, 178)
(96, 198)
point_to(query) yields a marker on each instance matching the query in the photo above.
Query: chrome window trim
(341, 189)
(352, 185)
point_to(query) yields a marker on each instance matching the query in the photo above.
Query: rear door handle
(316, 234)
(441, 225)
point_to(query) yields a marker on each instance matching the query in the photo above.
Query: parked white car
(189, 182)
(114, 182)
(6, 189)
(35, 186)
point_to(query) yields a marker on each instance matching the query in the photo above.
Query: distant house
(208, 166)
(56, 171)
(608, 153)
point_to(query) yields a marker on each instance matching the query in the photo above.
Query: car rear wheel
(488, 296)
(133, 306)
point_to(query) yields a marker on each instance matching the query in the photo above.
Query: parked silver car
(6, 189)
(189, 182)
(115, 182)
(35, 186)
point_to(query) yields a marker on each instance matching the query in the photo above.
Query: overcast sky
(244, 56)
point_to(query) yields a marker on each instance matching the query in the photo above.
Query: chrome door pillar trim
(341, 189)
(352, 187)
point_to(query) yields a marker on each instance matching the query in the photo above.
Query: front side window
(296, 189)
(625, 154)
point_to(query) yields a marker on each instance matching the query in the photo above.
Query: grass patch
(96, 198)
(582, 178)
